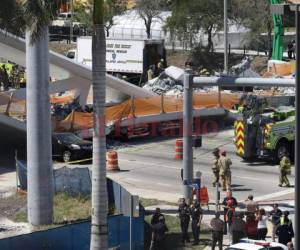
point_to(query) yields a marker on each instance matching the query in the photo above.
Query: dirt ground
(9, 206)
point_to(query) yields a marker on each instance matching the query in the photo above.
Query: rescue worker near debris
(196, 214)
(4, 78)
(150, 72)
(216, 166)
(217, 226)
(225, 172)
(184, 216)
(285, 169)
(160, 66)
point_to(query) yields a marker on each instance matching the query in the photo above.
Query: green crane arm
(278, 31)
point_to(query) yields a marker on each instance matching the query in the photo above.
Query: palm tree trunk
(39, 149)
(99, 230)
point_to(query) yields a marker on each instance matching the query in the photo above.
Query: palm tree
(39, 154)
(99, 230)
(33, 16)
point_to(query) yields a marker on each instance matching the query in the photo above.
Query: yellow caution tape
(78, 161)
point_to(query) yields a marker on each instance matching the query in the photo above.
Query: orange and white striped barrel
(112, 163)
(179, 149)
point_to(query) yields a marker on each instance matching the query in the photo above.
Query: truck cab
(265, 133)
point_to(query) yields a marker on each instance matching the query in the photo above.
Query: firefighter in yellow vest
(285, 169)
(216, 166)
(225, 172)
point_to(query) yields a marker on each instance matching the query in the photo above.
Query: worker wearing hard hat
(160, 66)
(225, 172)
(216, 166)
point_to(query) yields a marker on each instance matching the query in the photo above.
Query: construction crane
(278, 31)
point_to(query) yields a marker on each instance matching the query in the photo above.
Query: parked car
(246, 244)
(69, 147)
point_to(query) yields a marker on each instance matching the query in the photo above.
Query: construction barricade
(112, 163)
(179, 149)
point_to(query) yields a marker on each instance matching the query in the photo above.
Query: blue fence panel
(77, 236)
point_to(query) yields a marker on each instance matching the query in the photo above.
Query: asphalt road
(149, 170)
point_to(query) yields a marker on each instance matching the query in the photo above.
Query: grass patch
(173, 240)
(153, 202)
(66, 208)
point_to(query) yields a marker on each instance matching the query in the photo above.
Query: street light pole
(297, 136)
(225, 37)
(71, 21)
(187, 134)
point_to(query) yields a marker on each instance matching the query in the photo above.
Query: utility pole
(297, 146)
(187, 134)
(71, 21)
(225, 37)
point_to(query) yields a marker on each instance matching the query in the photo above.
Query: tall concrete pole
(187, 133)
(297, 146)
(39, 149)
(71, 21)
(225, 36)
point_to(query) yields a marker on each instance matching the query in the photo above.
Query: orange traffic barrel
(112, 163)
(179, 149)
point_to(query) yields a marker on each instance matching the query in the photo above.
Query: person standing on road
(262, 228)
(228, 199)
(275, 219)
(184, 216)
(225, 172)
(217, 226)
(159, 235)
(216, 166)
(251, 205)
(285, 229)
(230, 217)
(196, 214)
(285, 169)
(238, 228)
(251, 227)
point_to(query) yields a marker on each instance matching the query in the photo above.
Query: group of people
(251, 224)
(11, 75)
(186, 214)
(254, 226)
(221, 169)
(154, 71)
(222, 172)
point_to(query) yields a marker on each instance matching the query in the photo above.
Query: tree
(39, 148)
(112, 8)
(33, 16)
(148, 10)
(190, 17)
(256, 16)
(99, 230)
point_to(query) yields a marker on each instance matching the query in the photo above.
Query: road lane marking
(162, 165)
(276, 194)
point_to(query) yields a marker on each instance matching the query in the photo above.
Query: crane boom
(278, 31)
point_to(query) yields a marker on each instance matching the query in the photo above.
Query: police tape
(78, 161)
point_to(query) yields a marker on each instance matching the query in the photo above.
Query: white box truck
(124, 57)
